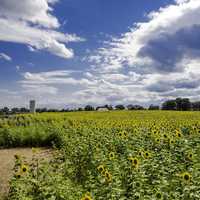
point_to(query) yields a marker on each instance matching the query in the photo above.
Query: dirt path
(7, 163)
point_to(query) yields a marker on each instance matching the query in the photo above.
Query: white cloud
(5, 57)
(88, 75)
(114, 77)
(35, 11)
(34, 25)
(110, 88)
(181, 1)
(59, 77)
(41, 90)
(124, 50)
(61, 88)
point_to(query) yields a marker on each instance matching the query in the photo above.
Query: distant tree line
(179, 104)
(6, 110)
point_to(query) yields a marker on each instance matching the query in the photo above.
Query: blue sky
(74, 52)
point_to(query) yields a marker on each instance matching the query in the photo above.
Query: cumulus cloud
(168, 51)
(37, 12)
(173, 85)
(166, 86)
(5, 57)
(160, 44)
(34, 25)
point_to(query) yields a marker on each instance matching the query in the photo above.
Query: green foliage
(117, 155)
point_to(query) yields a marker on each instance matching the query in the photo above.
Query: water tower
(32, 106)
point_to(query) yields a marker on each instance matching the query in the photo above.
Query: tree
(119, 107)
(186, 104)
(130, 107)
(64, 110)
(153, 107)
(183, 104)
(53, 110)
(41, 110)
(135, 107)
(1, 112)
(15, 110)
(24, 110)
(89, 108)
(178, 104)
(196, 106)
(169, 105)
(109, 107)
(5, 110)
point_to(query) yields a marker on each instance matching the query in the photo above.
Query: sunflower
(17, 156)
(137, 196)
(120, 134)
(157, 140)
(87, 196)
(190, 156)
(111, 155)
(158, 195)
(194, 128)
(24, 168)
(130, 159)
(165, 136)
(186, 177)
(135, 162)
(108, 176)
(140, 153)
(178, 134)
(123, 134)
(101, 168)
(171, 141)
(137, 184)
(18, 175)
(146, 154)
(154, 132)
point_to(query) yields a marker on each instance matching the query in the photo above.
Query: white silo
(32, 106)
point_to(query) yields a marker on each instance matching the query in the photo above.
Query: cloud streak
(5, 57)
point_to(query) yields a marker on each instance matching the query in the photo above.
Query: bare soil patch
(7, 161)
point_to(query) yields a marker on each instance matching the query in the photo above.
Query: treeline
(179, 104)
(6, 110)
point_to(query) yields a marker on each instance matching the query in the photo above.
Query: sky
(70, 53)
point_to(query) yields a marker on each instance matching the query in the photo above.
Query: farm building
(102, 109)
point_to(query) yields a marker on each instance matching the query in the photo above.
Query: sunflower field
(115, 155)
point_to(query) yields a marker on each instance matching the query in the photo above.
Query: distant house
(102, 109)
